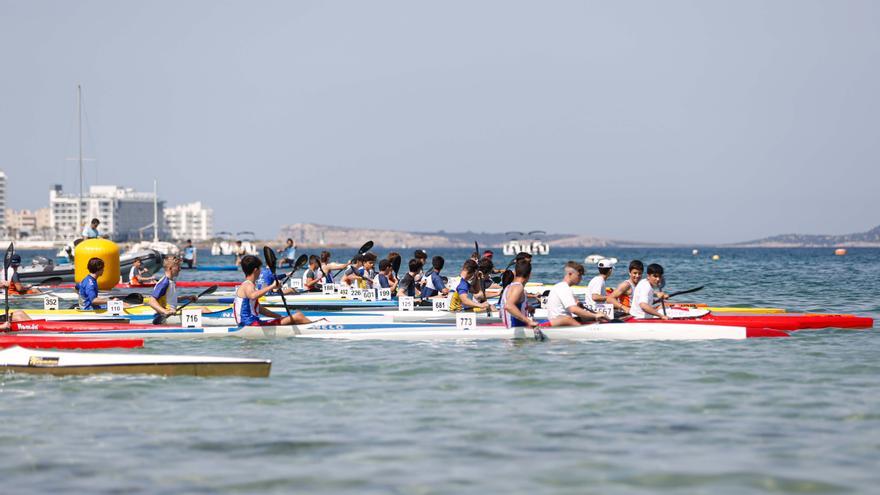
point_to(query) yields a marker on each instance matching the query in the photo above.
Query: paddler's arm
(514, 294)
(328, 267)
(265, 290)
(158, 307)
(467, 302)
(651, 310)
(585, 313)
(598, 298)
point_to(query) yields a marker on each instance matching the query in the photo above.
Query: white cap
(606, 263)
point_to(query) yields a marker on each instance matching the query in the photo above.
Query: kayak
(142, 311)
(217, 268)
(51, 342)
(22, 360)
(802, 321)
(617, 331)
(428, 331)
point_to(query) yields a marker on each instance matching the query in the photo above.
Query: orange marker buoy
(840, 252)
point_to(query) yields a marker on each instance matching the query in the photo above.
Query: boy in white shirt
(562, 306)
(642, 306)
(596, 288)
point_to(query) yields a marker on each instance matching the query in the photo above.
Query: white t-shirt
(596, 286)
(644, 293)
(560, 298)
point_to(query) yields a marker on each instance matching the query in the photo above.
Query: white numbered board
(295, 283)
(344, 292)
(406, 303)
(606, 309)
(329, 289)
(368, 295)
(440, 303)
(384, 294)
(465, 321)
(354, 294)
(114, 307)
(191, 318)
(50, 302)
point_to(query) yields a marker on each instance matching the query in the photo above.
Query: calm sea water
(796, 415)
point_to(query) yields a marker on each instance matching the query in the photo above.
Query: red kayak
(38, 342)
(71, 326)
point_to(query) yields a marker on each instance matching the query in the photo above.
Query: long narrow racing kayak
(22, 360)
(188, 284)
(428, 331)
(66, 342)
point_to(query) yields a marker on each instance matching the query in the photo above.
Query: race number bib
(440, 303)
(465, 321)
(406, 303)
(606, 309)
(191, 318)
(114, 307)
(50, 303)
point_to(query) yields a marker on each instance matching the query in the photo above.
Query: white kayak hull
(21, 360)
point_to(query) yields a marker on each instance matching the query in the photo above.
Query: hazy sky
(676, 121)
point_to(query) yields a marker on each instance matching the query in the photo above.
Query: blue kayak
(217, 268)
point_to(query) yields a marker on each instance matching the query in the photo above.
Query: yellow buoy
(715, 257)
(840, 252)
(107, 251)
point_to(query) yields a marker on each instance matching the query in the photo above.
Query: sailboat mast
(79, 120)
(155, 210)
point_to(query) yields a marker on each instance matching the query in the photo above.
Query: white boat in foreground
(21, 360)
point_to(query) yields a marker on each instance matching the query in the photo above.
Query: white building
(27, 223)
(2, 199)
(125, 215)
(190, 221)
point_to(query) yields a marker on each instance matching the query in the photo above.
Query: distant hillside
(309, 234)
(870, 238)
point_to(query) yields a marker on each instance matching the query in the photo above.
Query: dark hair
(325, 256)
(486, 266)
(469, 266)
(314, 259)
(96, 221)
(189, 241)
(392, 255)
(522, 268)
(289, 239)
(475, 255)
(384, 265)
(437, 263)
(419, 254)
(95, 265)
(523, 256)
(606, 271)
(636, 265)
(655, 269)
(369, 257)
(358, 258)
(415, 265)
(249, 263)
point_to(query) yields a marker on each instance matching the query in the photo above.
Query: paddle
(7, 260)
(695, 289)
(160, 318)
(269, 254)
(132, 299)
(366, 247)
(395, 264)
(302, 260)
(52, 281)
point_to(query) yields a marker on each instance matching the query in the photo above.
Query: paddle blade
(395, 263)
(477, 249)
(158, 319)
(134, 298)
(366, 247)
(300, 262)
(209, 290)
(52, 281)
(506, 278)
(7, 259)
(269, 255)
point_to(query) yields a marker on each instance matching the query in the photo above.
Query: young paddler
(328, 267)
(14, 315)
(463, 298)
(384, 279)
(434, 284)
(562, 306)
(164, 298)
(138, 275)
(596, 288)
(515, 311)
(189, 254)
(87, 288)
(646, 292)
(408, 285)
(288, 254)
(312, 278)
(621, 297)
(246, 306)
(16, 288)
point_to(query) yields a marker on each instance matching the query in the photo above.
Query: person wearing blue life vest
(189, 254)
(267, 278)
(88, 286)
(434, 284)
(384, 279)
(288, 254)
(408, 285)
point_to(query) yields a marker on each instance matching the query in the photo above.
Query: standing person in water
(288, 254)
(189, 254)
